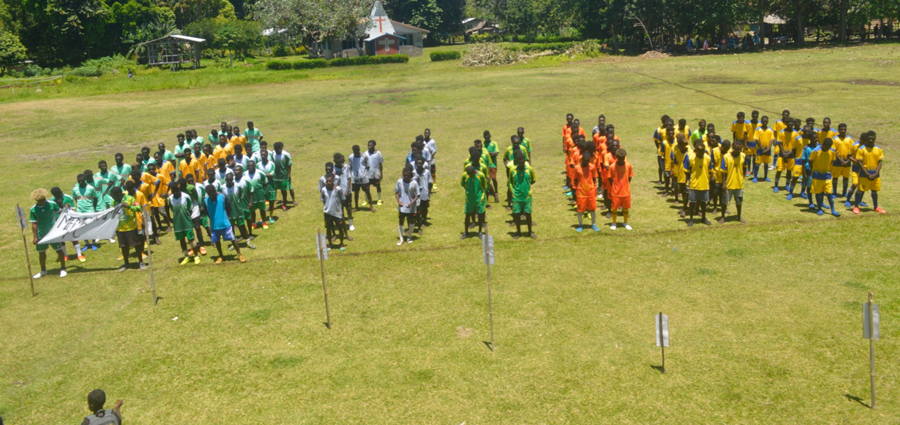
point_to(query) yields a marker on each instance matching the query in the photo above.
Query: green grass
(764, 317)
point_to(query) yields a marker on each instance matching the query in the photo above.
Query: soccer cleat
(342, 248)
(379, 202)
(265, 226)
(690, 223)
(771, 167)
(400, 242)
(354, 228)
(803, 195)
(93, 247)
(272, 220)
(218, 260)
(142, 266)
(81, 258)
(790, 196)
(123, 268)
(820, 212)
(579, 228)
(186, 260)
(775, 189)
(40, 275)
(812, 206)
(627, 226)
(143, 256)
(190, 253)
(364, 204)
(848, 204)
(855, 210)
(755, 180)
(612, 226)
(242, 259)
(409, 240)
(62, 273)
(284, 207)
(434, 187)
(251, 246)
(196, 260)
(863, 204)
(768, 180)
(835, 213)
(595, 228)
(119, 259)
(880, 210)
(568, 194)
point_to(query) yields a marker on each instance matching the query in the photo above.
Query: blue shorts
(224, 234)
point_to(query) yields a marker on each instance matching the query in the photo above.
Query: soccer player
(585, 180)
(854, 170)
(42, 216)
(620, 176)
(491, 147)
(715, 175)
(64, 201)
(188, 165)
(182, 223)
(200, 223)
(509, 162)
(526, 144)
(870, 158)
(699, 132)
(267, 168)
(332, 199)
(157, 198)
(235, 190)
(762, 138)
(821, 161)
(283, 164)
(85, 200)
(668, 151)
(126, 231)
(121, 169)
(784, 150)
(684, 128)
(826, 132)
(217, 208)
(254, 137)
(567, 129)
(842, 145)
(239, 157)
(407, 193)
(739, 131)
(476, 185)
(804, 138)
(105, 180)
(698, 166)
(778, 127)
(360, 180)
(256, 183)
(659, 135)
(422, 176)
(223, 149)
(374, 163)
(807, 170)
(342, 178)
(732, 166)
(521, 178)
(238, 139)
(679, 154)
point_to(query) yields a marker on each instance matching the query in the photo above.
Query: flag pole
(25, 243)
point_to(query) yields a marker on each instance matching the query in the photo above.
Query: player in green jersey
(42, 216)
(182, 209)
(521, 178)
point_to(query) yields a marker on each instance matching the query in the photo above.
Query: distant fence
(20, 83)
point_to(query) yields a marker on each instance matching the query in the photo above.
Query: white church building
(383, 36)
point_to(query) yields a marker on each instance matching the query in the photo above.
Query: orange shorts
(586, 204)
(493, 172)
(623, 202)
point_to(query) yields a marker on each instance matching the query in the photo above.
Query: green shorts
(523, 207)
(247, 215)
(474, 207)
(259, 206)
(43, 247)
(270, 195)
(189, 234)
(283, 185)
(238, 221)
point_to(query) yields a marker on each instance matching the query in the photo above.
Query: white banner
(73, 226)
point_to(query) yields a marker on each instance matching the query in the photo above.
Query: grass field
(764, 317)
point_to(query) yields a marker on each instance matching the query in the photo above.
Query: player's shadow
(856, 399)
(77, 270)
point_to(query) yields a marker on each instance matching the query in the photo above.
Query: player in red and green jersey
(42, 216)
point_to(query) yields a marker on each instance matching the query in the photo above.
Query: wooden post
(490, 295)
(25, 243)
(322, 249)
(149, 254)
(662, 345)
(872, 348)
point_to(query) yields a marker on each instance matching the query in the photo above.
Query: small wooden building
(175, 50)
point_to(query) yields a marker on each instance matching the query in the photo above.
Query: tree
(11, 51)
(314, 20)
(421, 13)
(61, 31)
(187, 11)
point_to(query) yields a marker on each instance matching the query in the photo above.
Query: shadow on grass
(488, 345)
(856, 399)
(659, 368)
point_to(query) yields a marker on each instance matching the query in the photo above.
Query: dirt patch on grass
(774, 91)
(719, 79)
(463, 332)
(867, 82)
(654, 55)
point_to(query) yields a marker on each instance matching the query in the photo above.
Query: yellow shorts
(866, 185)
(798, 170)
(763, 159)
(821, 186)
(749, 151)
(855, 178)
(785, 164)
(840, 172)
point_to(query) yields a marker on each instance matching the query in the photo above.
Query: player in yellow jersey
(870, 158)
(785, 153)
(715, 177)
(821, 161)
(699, 166)
(668, 147)
(750, 144)
(803, 139)
(826, 132)
(763, 137)
(854, 170)
(739, 131)
(678, 155)
(658, 135)
(684, 128)
(731, 167)
(778, 126)
(842, 144)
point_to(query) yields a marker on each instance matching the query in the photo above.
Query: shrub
(33, 70)
(85, 72)
(278, 65)
(309, 64)
(280, 51)
(438, 56)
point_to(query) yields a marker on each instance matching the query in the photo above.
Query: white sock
(400, 231)
(351, 221)
(77, 249)
(410, 230)
(579, 219)
(593, 218)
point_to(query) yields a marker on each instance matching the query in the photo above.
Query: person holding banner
(126, 231)
(85, 200)
(183, 224)
(64, 201)
(42, 216)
